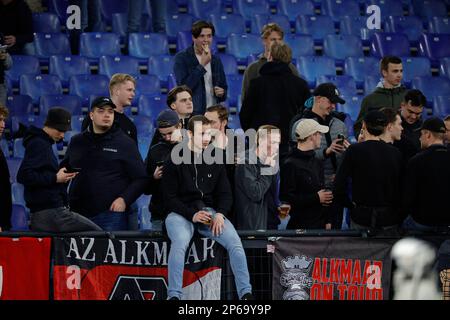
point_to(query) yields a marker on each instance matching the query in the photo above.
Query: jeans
(61, 220)
(180, 232)
(135, 9)
(112, 221)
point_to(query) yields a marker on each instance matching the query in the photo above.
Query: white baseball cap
(307, 127)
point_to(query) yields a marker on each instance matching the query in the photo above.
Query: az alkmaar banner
(132, 269)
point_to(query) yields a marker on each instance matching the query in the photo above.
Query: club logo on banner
(132, 269)
(331, 269)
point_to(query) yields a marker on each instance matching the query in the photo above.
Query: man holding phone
(45, 183)
(5, 64)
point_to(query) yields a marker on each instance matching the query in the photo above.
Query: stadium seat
(76, 122)
(357, 26)
(249, 8)
(144, 125)
(49, 44)
(109, 7)
(234, 89)
(426, 9)
(387, 7)
(184, 40)
(86, 85)
(361, 67)
(340, 8)
(234, 122)
(27, 120)
(109, 65)
(229, 63)
(341, 46)
(9, 86)
(70, 102)
(293, 8)
(439, 25)
(18, 148)
(17, 193)
(301, 44)
(161, 66)
(147, 84)
(243, 45)
(151, 105)
(144, 216)
(385, 44)
(66, 66)
(13, 166)
(316, 26)
(144, 45)
(46, 22)
(441, 106)
(59, 7)
(415, 67)
(69, 134)
(434, 46)
(370, 83)
(202, 9)
(171, 82)
(20, 105)
(411, 26)
(120, 25)
(312, 67)
(351, 107)
(4, 146)
(22, 65)
(345, 84)
(176, 23)
(36, 86)
(19, 218)
(260, 20)
(227, 24)
(445, 67)
(93, 45)
(432, 86)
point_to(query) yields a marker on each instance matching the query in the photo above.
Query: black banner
(331, 269)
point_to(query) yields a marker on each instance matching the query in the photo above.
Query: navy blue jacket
(5, 194)
(190, 72)
(38, 171)
(111, 167)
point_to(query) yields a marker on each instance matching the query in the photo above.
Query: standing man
(45, 183)
(200, 70)
(112, 174)
(5, 64)
(122, 88)
(427, 181)
(389, 92)
(190, 189)
(302, 180)
(270, 34)
(16, 25)
(5, 184)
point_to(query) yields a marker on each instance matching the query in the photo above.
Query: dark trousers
(61, 220)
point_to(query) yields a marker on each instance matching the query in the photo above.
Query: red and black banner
(331, 269)
(24, 268)
(132, 269)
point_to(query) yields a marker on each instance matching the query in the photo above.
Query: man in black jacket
(198, 196)
(275, 97)
(427, 181)
(44, 182)
(302, 180)
(112, 174)
(5, 184)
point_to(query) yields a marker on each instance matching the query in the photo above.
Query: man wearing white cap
(302, 180)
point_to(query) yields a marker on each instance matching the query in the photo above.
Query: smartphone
(159, 163)
(341, 138)
(72, 170)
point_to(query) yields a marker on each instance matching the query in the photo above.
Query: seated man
(193, 192)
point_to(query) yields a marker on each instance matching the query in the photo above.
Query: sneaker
(248, 296)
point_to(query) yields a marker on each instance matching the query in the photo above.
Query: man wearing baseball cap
(427, 181)
(45, 184)
(112, 174)
(302, 180)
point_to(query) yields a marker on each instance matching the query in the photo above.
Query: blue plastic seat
(36, 86)
(50, 44)
(22, 65)
(144, 125)
(243, 45)
(234, 89)
(120, 25)
(17, 193)
(13, 166)
(147, 84)
(93, 45)
(351, 107)
(86, 85)
(19, 105)
(370, 83)
(434, 46)
(345, 84)
(432, 86)
(337, 9)
(171, 82)
(109, 7)
(227, 24)
(259, 20)
(316, 26)
(109, 65)
(4, 146)
(387, 7)
(293, 8)
(415, 67)
(184, 40)
(69, 134)
(445, 67)
(229, 62)
(144, 45)
(27, 120)
(151, 105)
(301, 44)
(357, 26)
(389, 44)
(439, 25)
(66, 66)
(70, 102)
(312, 67)
(249, 8)
(176, 23)
(426, 9)
(46, 22)
(77, 121)
(202, 9)
(234, 122)
(361, 67)
(411, 26)
(59, 7)
(341, 46)
(161, 66)
(19, 218)
(18, 148)
(441, 106)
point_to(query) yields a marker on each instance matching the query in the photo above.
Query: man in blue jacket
(44, 182)
(112, 174)
(200, 70)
